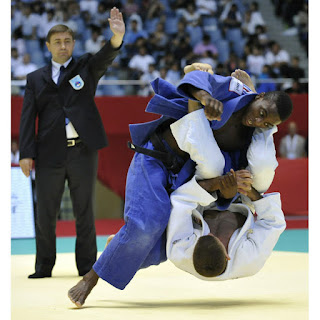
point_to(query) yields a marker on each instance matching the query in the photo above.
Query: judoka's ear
(260, 95)
(226, 252)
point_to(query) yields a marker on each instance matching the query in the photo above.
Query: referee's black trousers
(80, 171)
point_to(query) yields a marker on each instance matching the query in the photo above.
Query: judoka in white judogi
(249, 246)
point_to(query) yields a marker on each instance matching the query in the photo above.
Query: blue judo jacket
(172, 103)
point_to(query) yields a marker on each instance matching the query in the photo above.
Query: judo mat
(278, 291)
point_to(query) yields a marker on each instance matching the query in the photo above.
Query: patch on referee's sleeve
(236, 86)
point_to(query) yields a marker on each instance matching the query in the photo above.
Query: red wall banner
(117, 113)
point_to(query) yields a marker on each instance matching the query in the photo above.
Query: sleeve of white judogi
(181, 236)
(262, 161)
(256, 245)
(194, 136)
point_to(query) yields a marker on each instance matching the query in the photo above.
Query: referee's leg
(49, 188)
(82, 165)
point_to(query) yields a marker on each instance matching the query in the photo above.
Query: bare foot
(109, 239)
(244, 78)
(81, 290)
(198, 66)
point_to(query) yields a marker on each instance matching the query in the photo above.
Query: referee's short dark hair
(60, 28)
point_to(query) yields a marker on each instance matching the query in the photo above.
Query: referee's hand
(26, 166)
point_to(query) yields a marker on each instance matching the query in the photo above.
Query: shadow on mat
(191, 304)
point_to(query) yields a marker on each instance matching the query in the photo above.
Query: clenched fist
(213, 108)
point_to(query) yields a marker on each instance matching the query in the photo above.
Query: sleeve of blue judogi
(230, 91)
(217, 86)
(167, 101)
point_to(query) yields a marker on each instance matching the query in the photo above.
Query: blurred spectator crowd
(162, 37)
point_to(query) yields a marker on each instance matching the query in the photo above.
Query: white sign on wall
(22, 218)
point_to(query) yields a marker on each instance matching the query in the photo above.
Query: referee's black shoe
(39, 274)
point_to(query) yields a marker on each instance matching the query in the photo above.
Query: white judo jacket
(250, 246)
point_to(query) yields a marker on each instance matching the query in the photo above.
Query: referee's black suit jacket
(53, 103)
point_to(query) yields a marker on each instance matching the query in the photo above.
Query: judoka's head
(60, 42)
(210, 256)
(268, 110)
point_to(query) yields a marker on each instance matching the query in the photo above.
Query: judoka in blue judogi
(141, 242)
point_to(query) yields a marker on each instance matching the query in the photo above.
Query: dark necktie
(62, 72)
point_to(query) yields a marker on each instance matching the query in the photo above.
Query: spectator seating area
(168, 30)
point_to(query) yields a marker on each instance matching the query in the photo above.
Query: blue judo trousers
(141, 242)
